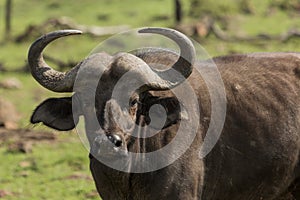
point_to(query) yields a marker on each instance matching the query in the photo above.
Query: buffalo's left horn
(184, 64)
(49, 78)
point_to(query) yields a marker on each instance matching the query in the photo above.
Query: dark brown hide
(257, 154)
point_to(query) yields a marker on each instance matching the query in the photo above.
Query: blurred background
(39, 163)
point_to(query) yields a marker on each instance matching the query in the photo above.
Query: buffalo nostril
(115, 139)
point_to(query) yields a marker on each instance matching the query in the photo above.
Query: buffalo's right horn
(49, 78)
(184, 64)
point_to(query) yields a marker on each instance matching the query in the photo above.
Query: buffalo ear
(174, 110)
(56, 113)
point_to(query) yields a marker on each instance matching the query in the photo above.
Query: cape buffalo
(256, 156)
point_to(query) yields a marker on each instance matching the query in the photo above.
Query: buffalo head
(110, 121)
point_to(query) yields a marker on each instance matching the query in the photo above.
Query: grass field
(59, 170)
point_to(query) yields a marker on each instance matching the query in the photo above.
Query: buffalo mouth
(109, 146)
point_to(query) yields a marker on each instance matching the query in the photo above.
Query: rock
(25, 164)
(8, 115)
(5, 193)
(22, 147)
(91, 195)
(11, 83)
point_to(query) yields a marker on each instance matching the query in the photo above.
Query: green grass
(92, 12)
(50, 165)
(56, 171)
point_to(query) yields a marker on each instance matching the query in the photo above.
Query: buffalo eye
(134, 103)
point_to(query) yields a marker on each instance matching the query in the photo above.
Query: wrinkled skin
(256, 156)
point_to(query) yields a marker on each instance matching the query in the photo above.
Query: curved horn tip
(43, 73)
(62, 33)
(185, 62)
(45, 39)
(185, 44)
(179, 37)
(153, 29)
(164, 31)
(71, 31)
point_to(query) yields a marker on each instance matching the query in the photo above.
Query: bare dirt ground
(21, 140)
